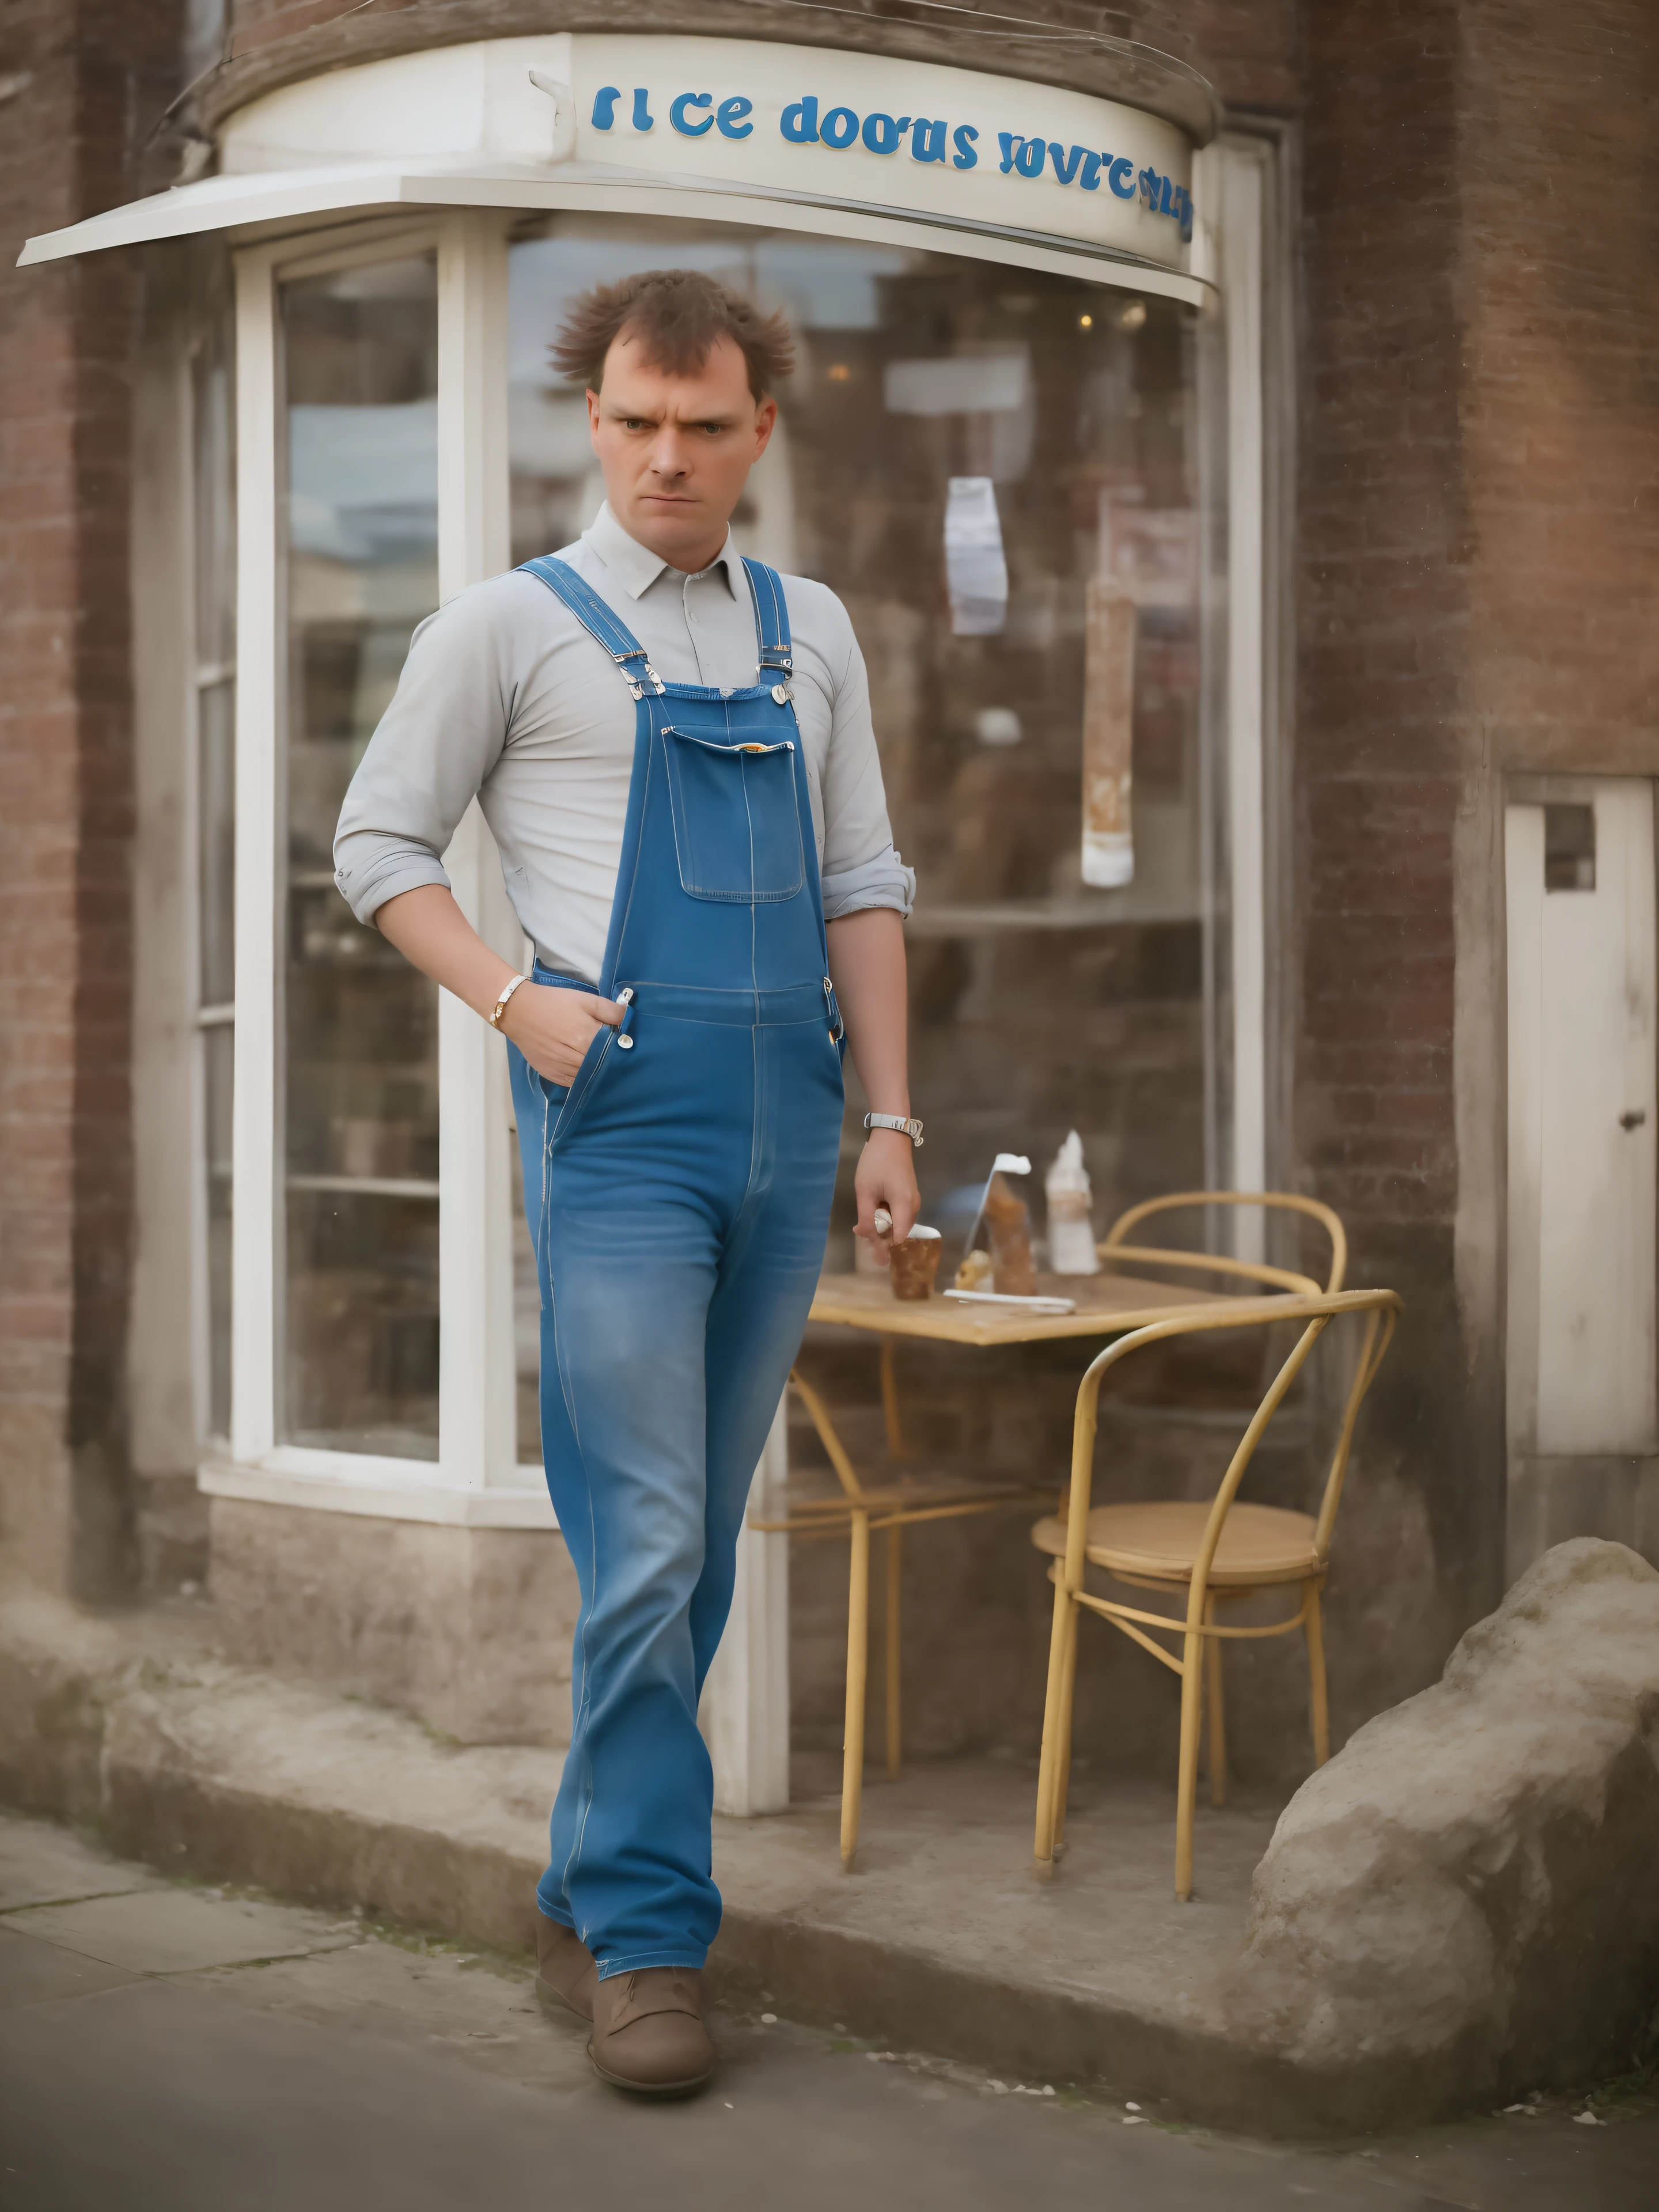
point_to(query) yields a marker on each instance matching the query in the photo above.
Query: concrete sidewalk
(262, 2056)
(942, 1940)
(266, 2056)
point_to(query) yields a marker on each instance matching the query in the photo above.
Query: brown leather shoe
(566, 1975)
(649, 2034)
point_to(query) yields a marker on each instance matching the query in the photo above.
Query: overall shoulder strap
(596, 619)
(771, 615)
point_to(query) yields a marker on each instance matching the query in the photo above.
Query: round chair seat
(1259, 1543)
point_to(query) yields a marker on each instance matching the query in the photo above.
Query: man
(674, 751)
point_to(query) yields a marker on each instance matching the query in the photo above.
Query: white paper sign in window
(1109, 709)
(973, 564)
(957, 383)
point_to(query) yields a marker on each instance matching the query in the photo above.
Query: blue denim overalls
(677, 1196)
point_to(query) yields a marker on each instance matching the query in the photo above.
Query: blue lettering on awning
(684, 101)
(933, 141)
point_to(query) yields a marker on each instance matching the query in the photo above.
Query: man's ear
(766, 416)
(593, 418)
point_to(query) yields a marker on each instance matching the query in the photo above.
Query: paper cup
(915, 1263)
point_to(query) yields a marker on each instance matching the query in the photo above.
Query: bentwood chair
(859, 1510)
(1115, 1246)
(1207, 1556)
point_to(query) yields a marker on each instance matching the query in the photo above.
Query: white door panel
(1583, 1118)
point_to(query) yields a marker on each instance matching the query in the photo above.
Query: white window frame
(1232, 180)
(475, 1479)
(203, 1016)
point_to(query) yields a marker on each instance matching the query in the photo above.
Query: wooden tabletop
(1107, 1305)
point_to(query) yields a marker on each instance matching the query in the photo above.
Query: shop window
(997, 469)
(359, 379)
(978, 459)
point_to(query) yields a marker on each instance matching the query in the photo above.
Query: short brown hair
(679, 316)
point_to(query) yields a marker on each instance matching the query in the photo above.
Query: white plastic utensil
(1041, 1304)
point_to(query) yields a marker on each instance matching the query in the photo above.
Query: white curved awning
(782, 137)
(249, 208)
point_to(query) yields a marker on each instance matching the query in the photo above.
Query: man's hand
(866, 964)
(553, 1028)
(886, 1176)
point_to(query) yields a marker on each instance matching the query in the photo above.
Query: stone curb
(195, 1765)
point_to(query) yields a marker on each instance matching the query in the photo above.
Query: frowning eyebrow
(619, 411)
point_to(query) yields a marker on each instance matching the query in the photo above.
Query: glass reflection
(218, 1052)
(991, 466)
(361, 1091)
(215, 803)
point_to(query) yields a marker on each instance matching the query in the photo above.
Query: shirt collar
(635, 566)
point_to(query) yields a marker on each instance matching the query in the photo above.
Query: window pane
(361, 1089)
(214, 523)
(363, 1321)
(214, 509)
(215, 803)
(218, 1047)
(993, 468)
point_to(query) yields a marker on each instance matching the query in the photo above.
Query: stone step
(941, 1940)
(1458, 1909)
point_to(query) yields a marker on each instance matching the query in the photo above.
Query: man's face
(677, 450)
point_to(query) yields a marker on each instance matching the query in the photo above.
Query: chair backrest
(1115, 1244)
(1381, 1309)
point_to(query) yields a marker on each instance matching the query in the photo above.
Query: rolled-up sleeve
(882, 881)
(860, 866)
(436, 743)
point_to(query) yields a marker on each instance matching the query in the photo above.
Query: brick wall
(1385, 554)
(1249, 48)
(1560, 328)
(80, 87)
(1478, 549)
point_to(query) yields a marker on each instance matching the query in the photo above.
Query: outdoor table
(1106, 1305)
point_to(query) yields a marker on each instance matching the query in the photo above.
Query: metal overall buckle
(635, 688)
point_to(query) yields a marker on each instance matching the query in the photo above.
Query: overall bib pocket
(737, 824)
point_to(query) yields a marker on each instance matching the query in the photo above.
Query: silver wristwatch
(911, 1130)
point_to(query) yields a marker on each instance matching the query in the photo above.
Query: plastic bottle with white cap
(1071, 1212)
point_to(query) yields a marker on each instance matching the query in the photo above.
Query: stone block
(1462, 1903)
(468, 1629)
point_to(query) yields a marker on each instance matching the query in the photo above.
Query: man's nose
(667, 453)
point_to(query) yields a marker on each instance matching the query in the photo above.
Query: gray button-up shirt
(505, 696)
